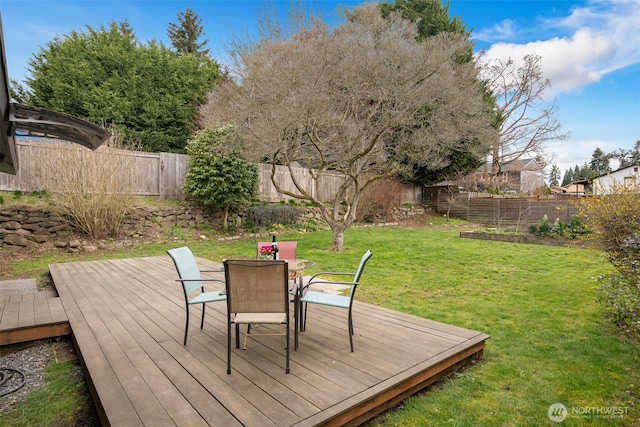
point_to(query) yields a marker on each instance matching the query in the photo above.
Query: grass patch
(549, 342)
(58, 403)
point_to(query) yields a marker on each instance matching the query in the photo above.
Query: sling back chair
(192, 280)
(306, 296)
(286, 250)
(257, 293)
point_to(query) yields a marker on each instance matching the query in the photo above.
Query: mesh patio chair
(257, 293)
(306, 296)
(286, 250)
(192, 280)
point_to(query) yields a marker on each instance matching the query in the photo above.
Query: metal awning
(33, 121)
(24, 120)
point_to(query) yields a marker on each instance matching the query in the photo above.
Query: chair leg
(303, 317)
(295, 323)
(202, 320)
(237, 336)
(186, 327)
(350, 331)
(228, 347)
(246, 334)
(287, 366)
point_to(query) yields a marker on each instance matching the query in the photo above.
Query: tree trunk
(225, 217)
(337, 243)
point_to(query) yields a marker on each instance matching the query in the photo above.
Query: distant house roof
(633, 168)
(573, 187)
(521, 165)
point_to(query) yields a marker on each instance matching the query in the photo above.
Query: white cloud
(568, 154)
(504, 30)
(604, 38)
(616, 20)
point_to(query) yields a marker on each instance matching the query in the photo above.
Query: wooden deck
(127, 319)
(32, 316)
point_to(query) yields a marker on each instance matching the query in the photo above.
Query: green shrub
(621, 298)
(266, 216)
(40, 193)
(310, 225)
(542, 230)
(571, 230)
(17, 194)
(1, 200)
(179, 233)
(614, 220)
(217, 177)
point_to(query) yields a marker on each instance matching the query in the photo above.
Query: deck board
(127, 318)
(31, 316)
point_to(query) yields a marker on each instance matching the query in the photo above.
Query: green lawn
(549, 342)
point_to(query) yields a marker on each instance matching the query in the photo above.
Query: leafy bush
(217, 174)
(621, 298)
(614, 221)
(543, 230)
(178, 232)
(571, 230)
(266, 216)
(1, 200)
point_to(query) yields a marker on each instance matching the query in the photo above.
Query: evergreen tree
(184, 36)
(568, 177)
(106, 76)
(599, 162)
(584, 173)
(628, 157)
(554, 176)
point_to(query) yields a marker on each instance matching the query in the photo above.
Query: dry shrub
(378, 200)
(91, 189)
(613, 217)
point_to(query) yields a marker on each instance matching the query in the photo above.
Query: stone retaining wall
(28, 226)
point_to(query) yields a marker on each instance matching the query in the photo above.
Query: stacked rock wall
(28, 226)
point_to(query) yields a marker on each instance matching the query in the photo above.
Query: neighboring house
(576, 188)
(626, 177)
(520, 176)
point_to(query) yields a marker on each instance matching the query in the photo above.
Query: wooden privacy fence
(512, 213)
(162, 175)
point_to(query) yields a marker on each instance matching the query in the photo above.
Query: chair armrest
(200, 280)
(220, 270)
(329, 273)
(324, 282)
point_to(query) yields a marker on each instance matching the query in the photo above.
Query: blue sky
(590, 48)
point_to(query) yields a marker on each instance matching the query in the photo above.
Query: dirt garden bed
(524, 238)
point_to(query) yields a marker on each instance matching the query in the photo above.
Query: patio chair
(192, 280)
(306, 296)
(257, 293)
(286, 250)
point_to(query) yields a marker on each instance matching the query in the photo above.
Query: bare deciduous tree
(526, 121)
(360, 100)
